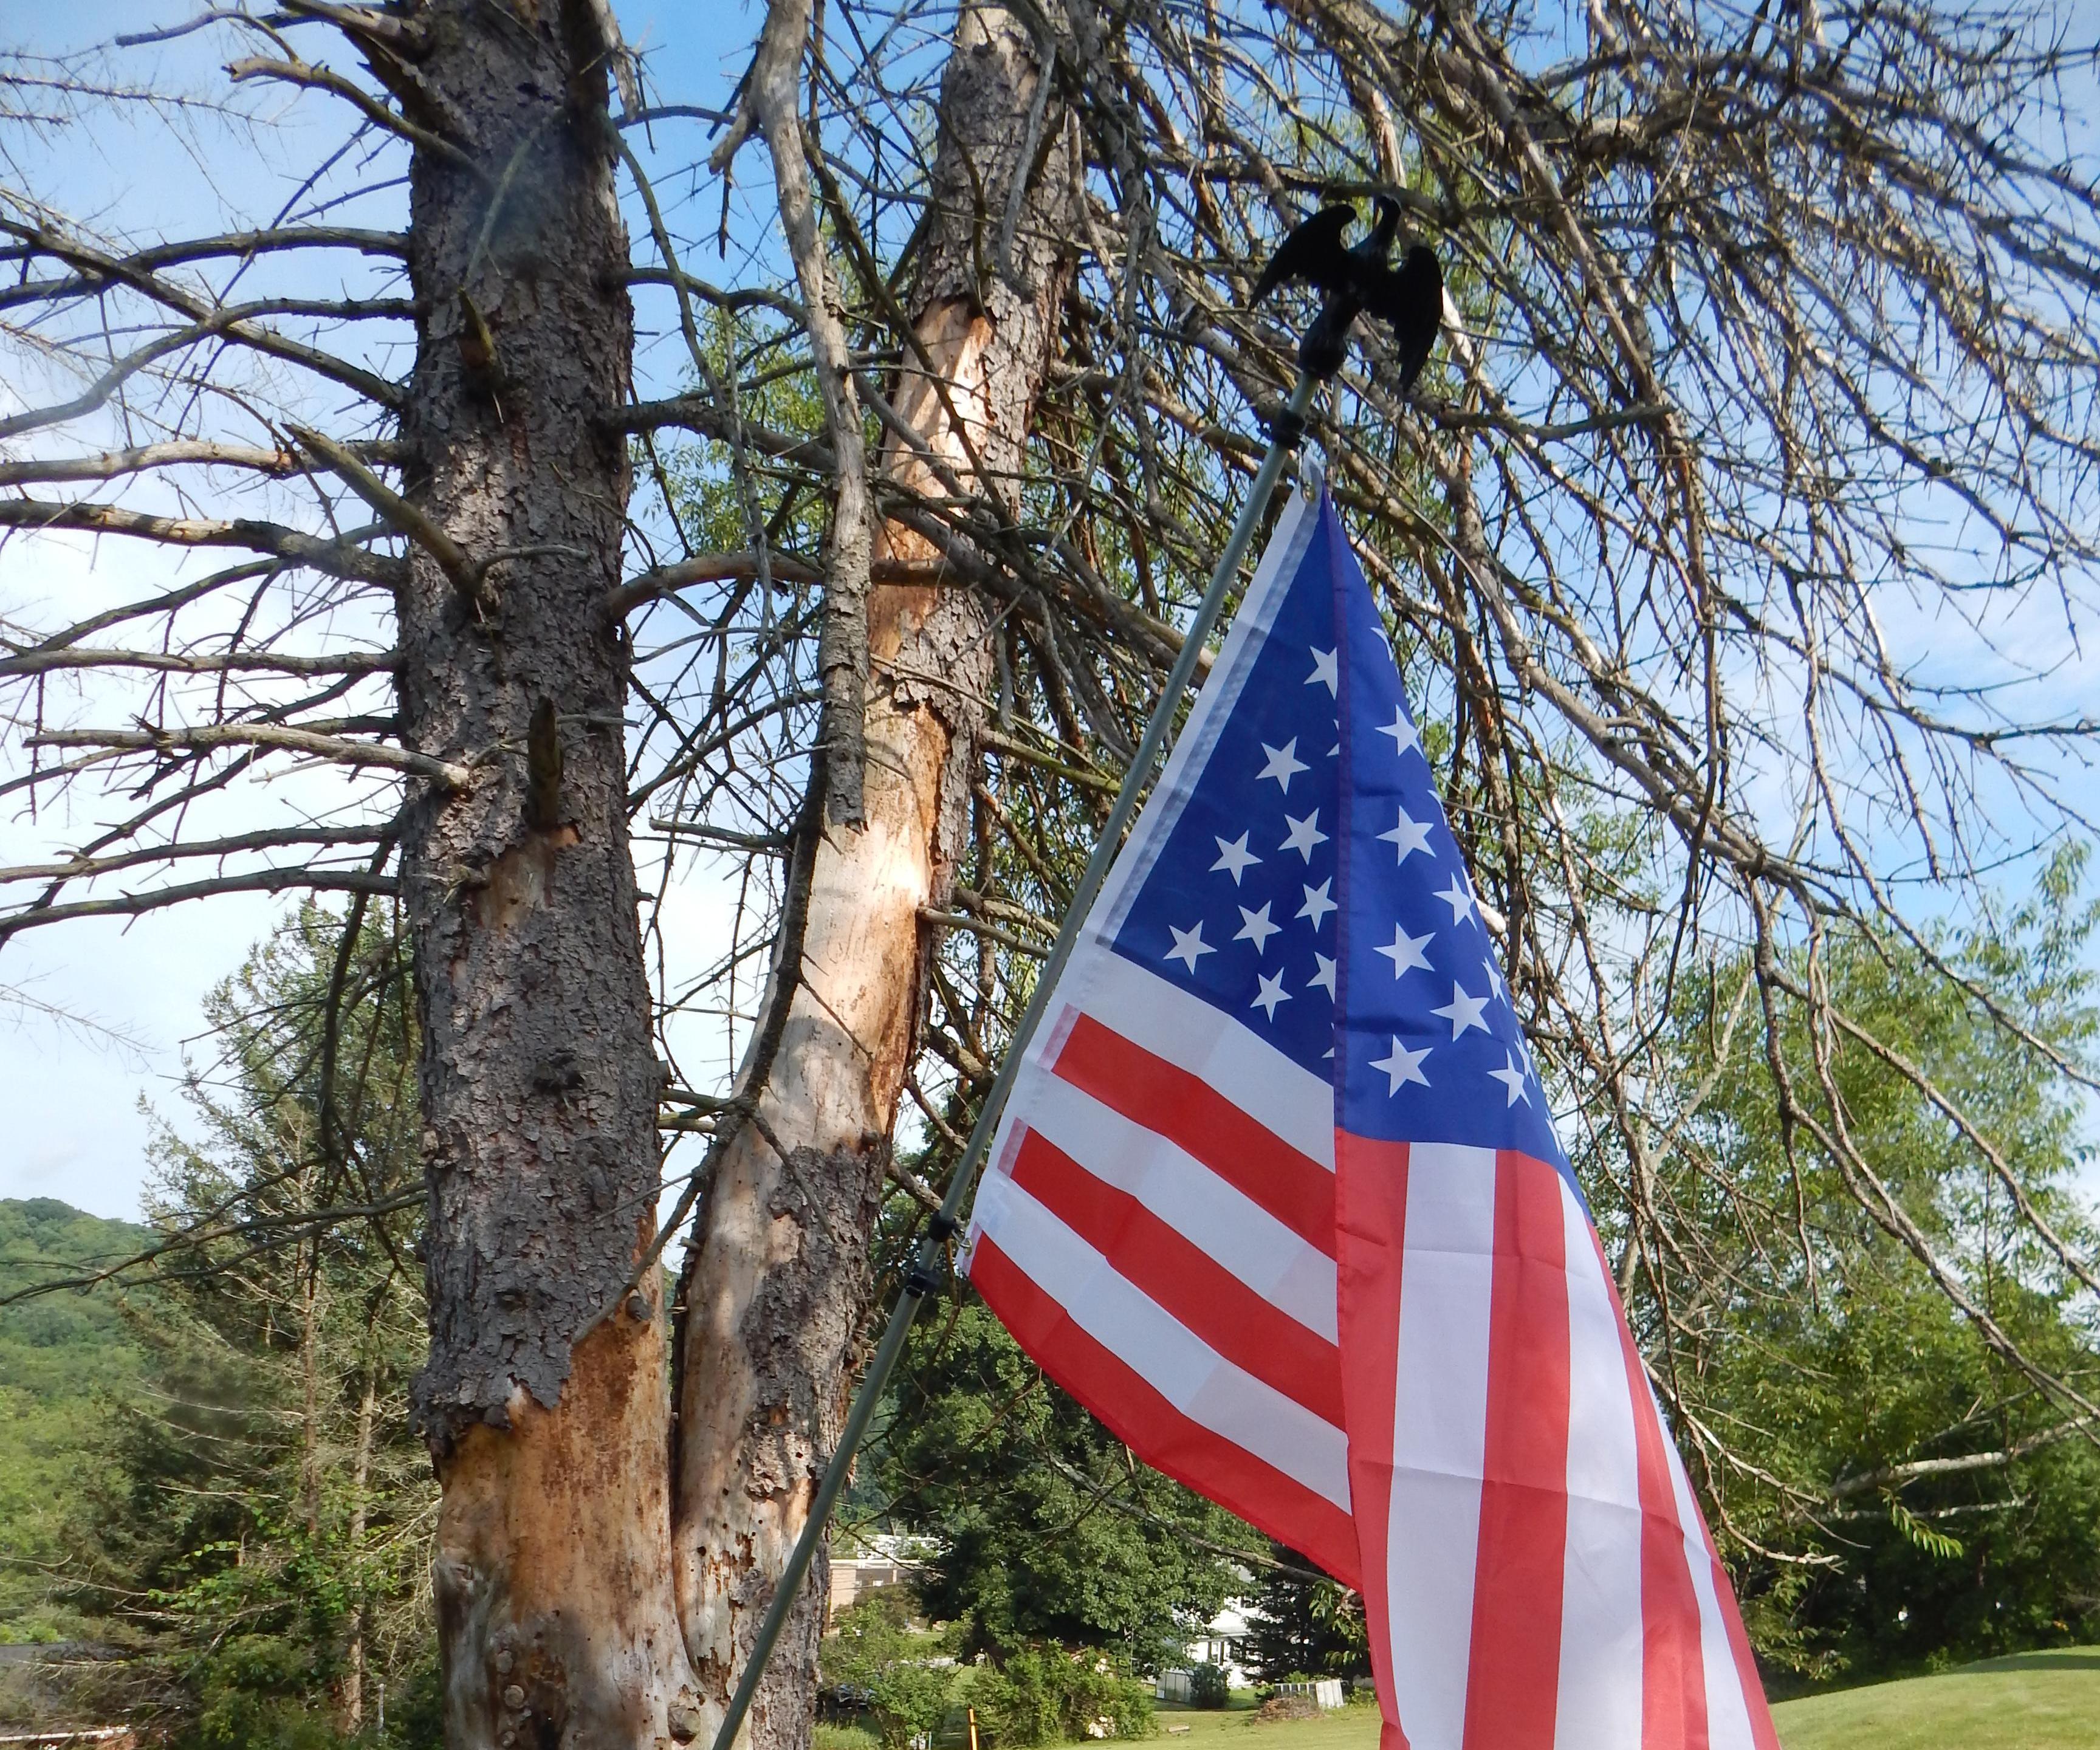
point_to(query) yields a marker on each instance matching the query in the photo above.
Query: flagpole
(923, 1278)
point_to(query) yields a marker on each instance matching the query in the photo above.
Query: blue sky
(75, 1130)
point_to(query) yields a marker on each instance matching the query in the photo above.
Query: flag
(1278, 1197)
(1157, 1224)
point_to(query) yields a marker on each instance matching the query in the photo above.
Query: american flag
(1278, 1197)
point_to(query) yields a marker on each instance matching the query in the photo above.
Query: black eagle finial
(1409, 298)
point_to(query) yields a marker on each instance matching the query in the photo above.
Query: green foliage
(1049, 1531)
(1209, 1686)
(876, 1656)
(1302, 1627)
(65, 1360)
(1049, 1694)
(1813, 1347)
(254, 1519)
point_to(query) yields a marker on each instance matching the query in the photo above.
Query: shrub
(876, 1660)
(1045, 1694)
(1209, 1686)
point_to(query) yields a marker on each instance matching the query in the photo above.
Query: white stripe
(1194, 746)
(1728, 1714)
(1219, 1220)
(1439, 1435)
(1599, 1706)
(1192, 1377)
(1290, 1101)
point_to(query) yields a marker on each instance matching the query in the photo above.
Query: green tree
(1304, 1625)
(261, 1538)
(1053, 1694)
(65, 1360)
(875, 1659)
(1896, 1488)
(1050, 1532)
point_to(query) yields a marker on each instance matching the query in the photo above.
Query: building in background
(863, 1564)
(1223, 1643)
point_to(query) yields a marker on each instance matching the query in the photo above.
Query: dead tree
(1745, 305)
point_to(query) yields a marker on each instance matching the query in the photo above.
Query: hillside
(61, 1358)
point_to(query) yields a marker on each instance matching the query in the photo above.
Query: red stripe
(1249, 1332)
(1672, 1663)
(1293, 1188)
(1513, 1680)
(1154, 1428)
(1370, 1229)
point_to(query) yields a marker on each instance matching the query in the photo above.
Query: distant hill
(63, 1358)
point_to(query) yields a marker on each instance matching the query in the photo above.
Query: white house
(1223, 1643)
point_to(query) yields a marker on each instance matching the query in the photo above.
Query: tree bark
(544, 1400)
(777, 1279)
(351, 1712)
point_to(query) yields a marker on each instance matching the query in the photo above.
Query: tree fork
(777, 1272)
(539, 1077)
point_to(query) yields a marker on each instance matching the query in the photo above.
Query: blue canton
(1310, 886)
(1238, 907)
(1428, 1048)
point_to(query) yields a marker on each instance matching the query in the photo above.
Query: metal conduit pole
(923, 1279)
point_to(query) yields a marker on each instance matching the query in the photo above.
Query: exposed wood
(543, 1400)
(776, 1279)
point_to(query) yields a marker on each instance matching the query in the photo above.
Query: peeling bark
(544, 1399)
(777, 1279)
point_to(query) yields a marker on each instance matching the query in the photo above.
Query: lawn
(1235, 1728)
(2032, 1701)
(2035, 1701)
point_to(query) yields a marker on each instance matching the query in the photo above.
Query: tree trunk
(544, 1400)
(777, 1280)
(351, 1712)
(310, 1395)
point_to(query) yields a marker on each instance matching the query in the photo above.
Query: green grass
(1235, 1728)
(2033, 1701)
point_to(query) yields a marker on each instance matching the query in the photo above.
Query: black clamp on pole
(928, 1274)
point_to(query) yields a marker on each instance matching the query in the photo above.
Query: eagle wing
(1410, 297)
(1312, 251)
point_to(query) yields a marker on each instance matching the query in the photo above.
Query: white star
(1410, 835)
(1403, 1067)
(1234, 858)
(1271, 993)
(1458, 899)
(1512, 1078)
(1324, 668)
(1304, 834)
(1188, 945)
(1495, 978)
(1318, 905)
(1402, 733)
(1255, 928)
(1324, 979)
(1462, 1011)
(1406, 952)
(1284, 764)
